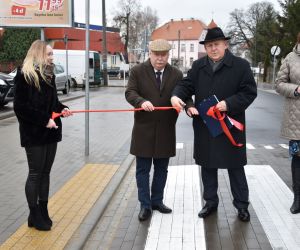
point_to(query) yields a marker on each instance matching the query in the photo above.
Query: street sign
(275, 50)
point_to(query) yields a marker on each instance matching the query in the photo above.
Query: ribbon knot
(216, 114)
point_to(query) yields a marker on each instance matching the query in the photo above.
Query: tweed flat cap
(159, 45)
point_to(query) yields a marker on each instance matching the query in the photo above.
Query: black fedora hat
(213, 35)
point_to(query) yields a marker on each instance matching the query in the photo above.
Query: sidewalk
(94, 198)
(78, 182)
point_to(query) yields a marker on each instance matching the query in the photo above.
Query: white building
(184, 36)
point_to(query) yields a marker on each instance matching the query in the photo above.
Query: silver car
(61, 80)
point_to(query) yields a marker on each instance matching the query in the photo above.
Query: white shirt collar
(162, 71)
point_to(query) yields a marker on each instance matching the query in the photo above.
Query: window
(191, 47)
(183, 47)
(181, 61)
(91, 63)
(191, 61)
(113, 59)
(173, 46)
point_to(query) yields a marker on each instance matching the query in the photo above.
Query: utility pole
(178, 48)
(67, 62)
(104, 48)
(42, 34)
(87, 77)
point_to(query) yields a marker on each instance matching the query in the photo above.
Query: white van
(76, 65)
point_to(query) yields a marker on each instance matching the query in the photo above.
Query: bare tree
(254, 30)
(144, 23)
(123, 17)
(135, 24)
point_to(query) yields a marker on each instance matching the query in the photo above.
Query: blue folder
(212, 124)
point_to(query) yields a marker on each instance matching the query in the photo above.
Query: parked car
(121, 74)
(6, 89)
(62, 82)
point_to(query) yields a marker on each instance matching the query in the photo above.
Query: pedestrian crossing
(180, 145)
(269, 147)
(270, 198)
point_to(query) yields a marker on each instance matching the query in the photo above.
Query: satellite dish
(275, 50)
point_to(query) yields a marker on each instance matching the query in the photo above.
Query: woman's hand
(51, 124)
(66, 112)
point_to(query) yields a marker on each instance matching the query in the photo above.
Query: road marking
(182, 229)
(179, 145)
(284, 146)
(249, 146)
(68, 207)
(268, 147)
(271, 200)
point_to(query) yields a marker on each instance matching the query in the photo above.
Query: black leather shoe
(144, 214)
(207, 210)
(244, 214)
(162, 208)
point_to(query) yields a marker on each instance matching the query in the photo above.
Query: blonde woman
(35, 100)
(288, 85)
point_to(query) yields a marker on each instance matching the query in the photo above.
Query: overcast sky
(167, 9)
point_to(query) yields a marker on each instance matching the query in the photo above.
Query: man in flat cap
(230, 79)
(153, 140)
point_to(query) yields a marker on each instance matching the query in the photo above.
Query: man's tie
(158, 80)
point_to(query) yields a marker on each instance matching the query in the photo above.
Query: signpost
(275, 51)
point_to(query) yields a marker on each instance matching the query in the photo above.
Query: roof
(76, 39)
(190, 29)
(212, 24)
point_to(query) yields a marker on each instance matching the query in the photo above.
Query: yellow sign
(36, 13)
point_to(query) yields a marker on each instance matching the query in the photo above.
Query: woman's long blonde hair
(36, 58)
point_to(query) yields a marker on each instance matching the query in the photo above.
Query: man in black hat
(230, 79)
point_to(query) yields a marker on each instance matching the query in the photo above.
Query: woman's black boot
(36, 220)
(44, 210)
(295, 208)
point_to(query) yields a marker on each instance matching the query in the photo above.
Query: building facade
(76, 41)
(184, 36)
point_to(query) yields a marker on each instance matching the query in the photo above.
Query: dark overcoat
(33, 108)
(233, 82)
(153, 133)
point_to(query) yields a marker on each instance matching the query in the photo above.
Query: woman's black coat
(33, 109)
(233, 82)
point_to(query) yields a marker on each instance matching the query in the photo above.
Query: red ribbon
(216, 114)
(55, 115)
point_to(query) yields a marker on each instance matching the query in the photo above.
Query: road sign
(275, 50)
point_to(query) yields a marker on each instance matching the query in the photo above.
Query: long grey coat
(233, 82)
(288, 79)
(153, 133)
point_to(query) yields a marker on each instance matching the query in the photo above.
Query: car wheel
(74, 83)
(66, 90)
